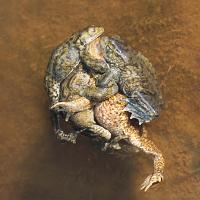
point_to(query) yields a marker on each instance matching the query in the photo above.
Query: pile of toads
(99, 83)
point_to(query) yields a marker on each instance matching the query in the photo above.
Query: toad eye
(91, 30)
(81, 42)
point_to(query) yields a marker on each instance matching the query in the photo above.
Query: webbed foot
(114, 143)
(111, 145)
(70, 137)
(150, 180)
(56, 108)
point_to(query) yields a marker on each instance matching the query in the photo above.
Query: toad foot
(150, 180)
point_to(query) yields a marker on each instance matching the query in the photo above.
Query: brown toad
(111, 115)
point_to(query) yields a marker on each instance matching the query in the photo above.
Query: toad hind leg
(76, 105)
(111, 115)
(69, 108)
(146, 145)
(85, 119)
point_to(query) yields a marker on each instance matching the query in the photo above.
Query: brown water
(34, 166)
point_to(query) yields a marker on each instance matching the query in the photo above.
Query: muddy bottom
(34, 165)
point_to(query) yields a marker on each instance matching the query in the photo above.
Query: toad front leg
(83, 117)
(111, 75)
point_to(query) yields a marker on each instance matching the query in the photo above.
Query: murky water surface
(34, 166)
